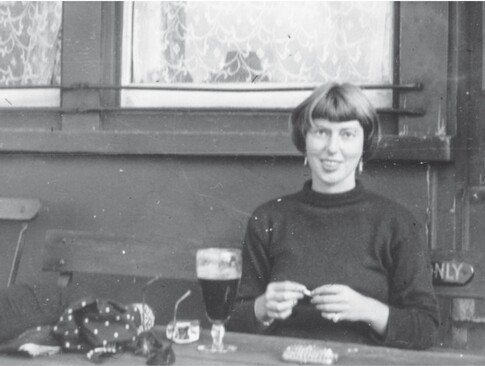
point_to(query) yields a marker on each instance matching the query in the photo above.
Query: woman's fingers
(281, 297)
(333, 316)
(285, 291)
(337, 302)
(287, 287)
(280, 310)
(332, 307)
(330, 289)
(280, 306)
(331, 298)
(280, 315)
(285, 296)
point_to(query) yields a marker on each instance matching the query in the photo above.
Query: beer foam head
(219, 263)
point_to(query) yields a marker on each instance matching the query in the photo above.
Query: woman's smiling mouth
(330, 164)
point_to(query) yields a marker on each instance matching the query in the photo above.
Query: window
(218, 54)
(243, 108)
(30, 44)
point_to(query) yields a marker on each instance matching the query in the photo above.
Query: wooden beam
(81, 62)
(69, 252)
(210, 143)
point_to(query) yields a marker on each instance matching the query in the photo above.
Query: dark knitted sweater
(356, 238)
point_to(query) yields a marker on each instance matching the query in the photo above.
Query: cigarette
(307, 293)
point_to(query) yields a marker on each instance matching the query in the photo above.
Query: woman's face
(334, 150)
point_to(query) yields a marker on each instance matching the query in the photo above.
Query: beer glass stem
(217, 333)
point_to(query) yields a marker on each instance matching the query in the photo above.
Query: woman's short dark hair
(336, 103)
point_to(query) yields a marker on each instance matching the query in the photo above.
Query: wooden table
(267, 350)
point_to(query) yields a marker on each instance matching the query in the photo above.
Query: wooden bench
(109, 257)
(23, 210)
(67, 252)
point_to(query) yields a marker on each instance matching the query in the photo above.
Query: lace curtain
(264, 42)
(30, 41)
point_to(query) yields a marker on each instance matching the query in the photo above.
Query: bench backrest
(68, 251)
(19, 209)
(23, 210)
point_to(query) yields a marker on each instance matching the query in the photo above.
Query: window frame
(89, 120)
(229, 95)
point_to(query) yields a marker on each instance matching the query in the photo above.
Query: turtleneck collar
(315, 198)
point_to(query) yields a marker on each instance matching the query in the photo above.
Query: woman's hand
(339, 302)
(278, 300)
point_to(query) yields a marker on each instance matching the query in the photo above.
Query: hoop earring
(305, 162)
(361, 166)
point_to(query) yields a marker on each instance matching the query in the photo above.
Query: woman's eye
(320, 132)
(348, 134)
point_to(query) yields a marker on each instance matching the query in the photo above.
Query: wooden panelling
(81, 63)
(101, 253)
(424, 58)
(210, 143)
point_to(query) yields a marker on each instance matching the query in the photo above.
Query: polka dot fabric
(90, 323)
(147, 317)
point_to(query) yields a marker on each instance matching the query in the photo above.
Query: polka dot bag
(90, 323)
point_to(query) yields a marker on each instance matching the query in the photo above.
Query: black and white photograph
(242, 183)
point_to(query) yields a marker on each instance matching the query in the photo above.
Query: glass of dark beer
(219, 273)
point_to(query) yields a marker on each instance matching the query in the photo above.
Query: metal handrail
(388, 111)
(253, 87)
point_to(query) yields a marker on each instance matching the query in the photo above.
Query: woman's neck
(337, 188)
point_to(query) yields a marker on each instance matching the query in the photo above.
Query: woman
(335, 261)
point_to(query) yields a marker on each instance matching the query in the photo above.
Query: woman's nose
(332, 144)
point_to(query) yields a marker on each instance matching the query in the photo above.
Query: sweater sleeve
(256, 272)
(413, 314)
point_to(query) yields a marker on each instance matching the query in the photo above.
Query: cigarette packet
(186, 331)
